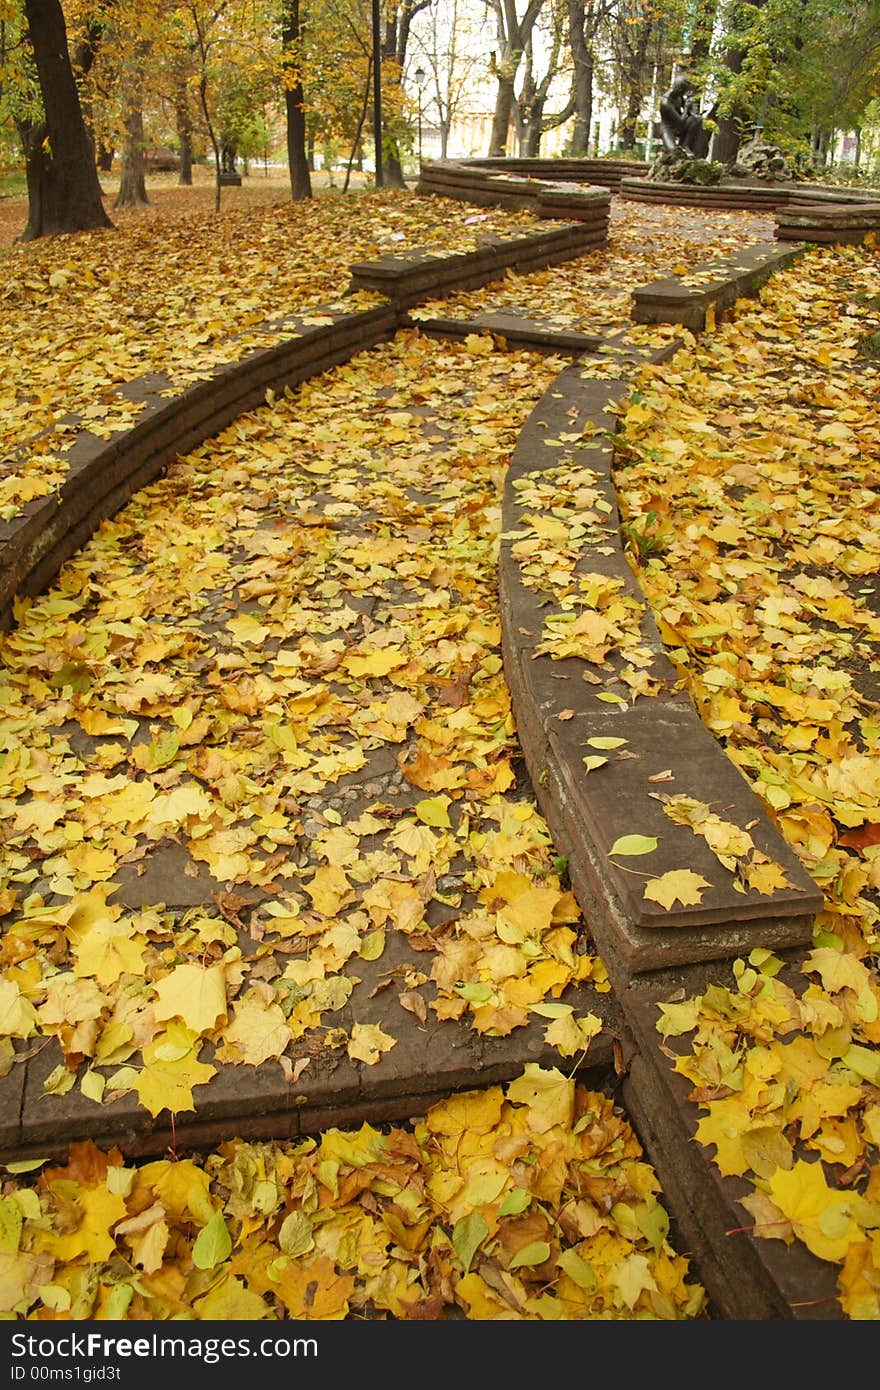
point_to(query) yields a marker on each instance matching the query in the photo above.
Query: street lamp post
(419, 77)
(377, 92)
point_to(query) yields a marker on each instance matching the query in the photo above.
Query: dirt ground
(167, 196)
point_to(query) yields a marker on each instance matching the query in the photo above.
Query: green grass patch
(13, 183)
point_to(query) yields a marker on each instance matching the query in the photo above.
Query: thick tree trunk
(733, 122)
(531, 145)
(635, 72)
(501, 118)
(294, 97)
(132, 184)
(64, 194)
(582, 81)
(725, 145)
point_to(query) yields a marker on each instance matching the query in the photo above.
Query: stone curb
(557, 712)
(686, 299)
(546, 193)
(256, 1102)
(419, 274)
(787, 202)
(605, 172)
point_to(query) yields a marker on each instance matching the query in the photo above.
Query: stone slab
(513, 328)
(686, 299)
(556, 712)
(747, 1277)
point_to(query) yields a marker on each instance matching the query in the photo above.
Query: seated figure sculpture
(681, 120)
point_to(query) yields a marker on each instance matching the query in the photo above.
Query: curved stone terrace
(252, 903)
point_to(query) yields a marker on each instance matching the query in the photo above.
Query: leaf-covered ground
(749, 481)
(180, 292)
(531, 1202)
(277, 675)
(282, 663)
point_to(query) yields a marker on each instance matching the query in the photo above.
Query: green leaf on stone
(372, 945)
(551, 1010)
(434, 810)
(634, 844)
(11, 1221)
(92, 1085)
(577, 1269)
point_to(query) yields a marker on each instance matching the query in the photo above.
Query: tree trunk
(725, 145)
(582, 81)
(64, 194)
(534, 130)
(501, 118)
(733, 122)
(105, 157)
(183, 118)
(635, 71)
(297, 154)
(394, 45)
(132, 185)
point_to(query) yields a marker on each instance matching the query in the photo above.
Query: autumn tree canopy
(80, 79)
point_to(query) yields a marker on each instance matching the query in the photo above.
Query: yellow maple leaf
(548, 1095)
(838, 970)
(820, 1216)
(329, 890)
(375, 663)
(479, 344)
(167, 1084)
(677, 885)
(182, 1187)
(860, 1281)
(18, 1018)
(570, 1035)
(315, 1290)
(101, 1209)
(368, 1042)
(231, 1301)
(257, 1032)
(474, 1112)
(532, 910)
(724, 1126)
(107, 950)
(194, 993)
(765, 875)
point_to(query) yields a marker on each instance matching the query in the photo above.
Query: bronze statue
(682, 121)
